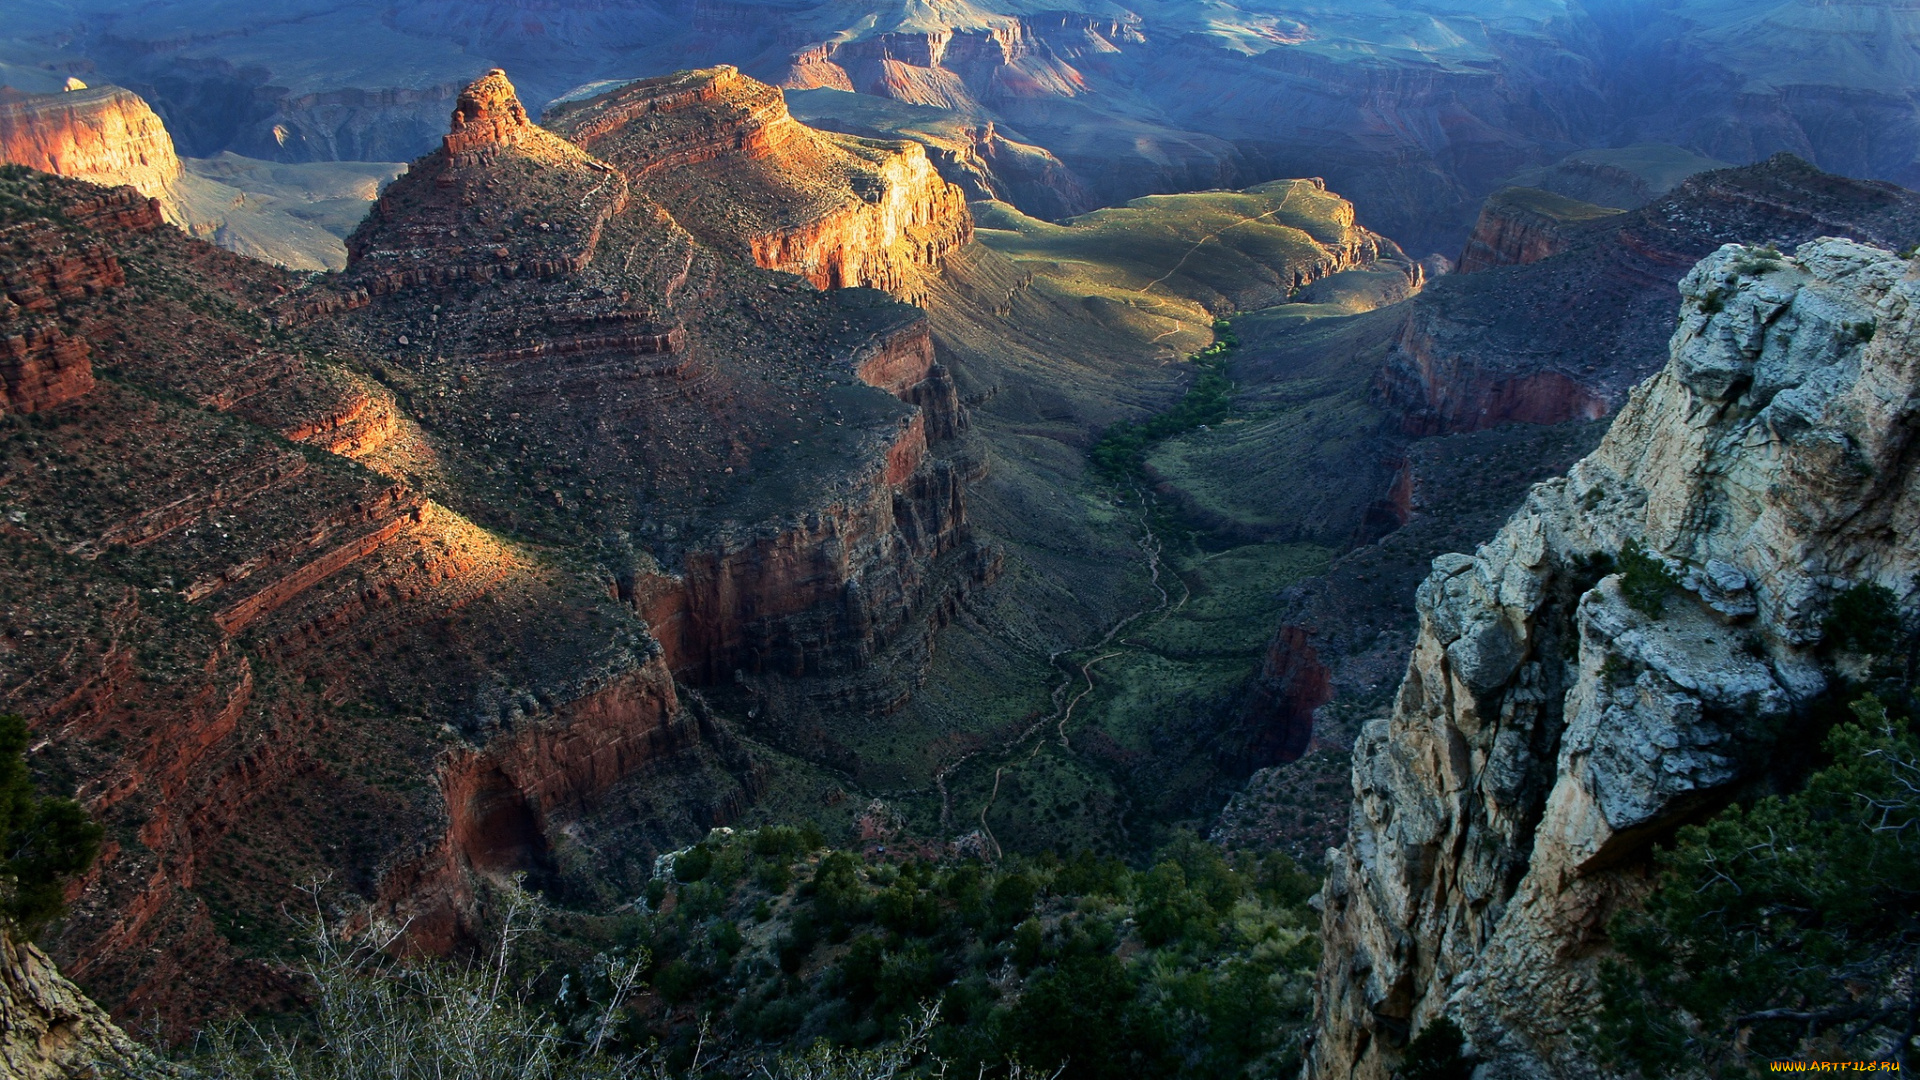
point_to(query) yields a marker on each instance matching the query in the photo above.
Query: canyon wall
(42, 366)
(109, 136)
(258, 651)
(1547, 732)
(1570, 302)
(1523, 225)
(104, 135)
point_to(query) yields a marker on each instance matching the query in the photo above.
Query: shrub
(1437, 1053)
(47, 840)
(1645, 580)
(1790, 929)
(1863, 619)
(1013, 899)
(693, 864)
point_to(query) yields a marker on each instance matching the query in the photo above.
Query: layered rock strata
(738, 564)
(1523, 225)
(104, 135)
(260, 662)
(1547, 732)
(387, 577)
(1563, 337)
(721, 153)
(109, 136)
(47, 268)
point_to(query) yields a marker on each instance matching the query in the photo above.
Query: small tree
(1645, 580)
(1790, 929)
(47, 840)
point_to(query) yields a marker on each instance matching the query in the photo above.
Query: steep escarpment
(1522, 225)
(220, 622)
(1550, 728)
(720, 152)
(102, 134)
(109, 136)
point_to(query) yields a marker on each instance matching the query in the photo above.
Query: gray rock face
(49, 1030)
(1547, 730)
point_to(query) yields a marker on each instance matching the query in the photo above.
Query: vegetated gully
(1151, 549)
(1070, 673)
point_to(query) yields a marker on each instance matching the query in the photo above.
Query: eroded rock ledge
(1547, 732)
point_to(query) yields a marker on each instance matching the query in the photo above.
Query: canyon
(381, 547)
(1077, 107)
(1411, 431)
(658, 453)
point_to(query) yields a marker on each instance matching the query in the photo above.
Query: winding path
(1149, 544)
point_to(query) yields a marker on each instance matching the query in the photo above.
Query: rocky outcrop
(722, 154)
(104, 135)
(505, 803)
(441, 223)
(49, 1030)
(45, 268)
(487, 116)
(1522, 225)
(1548, 731)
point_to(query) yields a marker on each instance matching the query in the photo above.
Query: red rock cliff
(47, 268)
(1433, 381)
(1524, 225)
(243, 652)
(105, 135)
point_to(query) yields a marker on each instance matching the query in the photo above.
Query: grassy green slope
(1177, 260)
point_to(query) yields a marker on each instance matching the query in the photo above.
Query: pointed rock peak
(488, 114)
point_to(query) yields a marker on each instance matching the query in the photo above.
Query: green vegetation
(1790, 929)
(1645, 580)
(1863, 619)
(48, 840)
(1159, 265)
(1120, 455)
(1437, 1053)
(1759, 260)
(822, 963)
(1197, 966)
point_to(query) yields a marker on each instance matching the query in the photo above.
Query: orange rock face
(105, 135)
(722, 154)
(487, 115)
